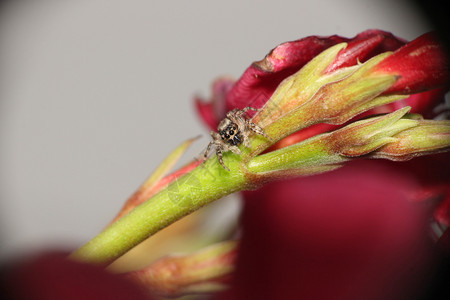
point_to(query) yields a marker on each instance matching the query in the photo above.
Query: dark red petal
(442, 211)
(364, 46)
(214, 110)
(348, 234)
(51, 276)
(422, 103)
(444, 245)
(423, 65)
(205, 110)
(432, 174)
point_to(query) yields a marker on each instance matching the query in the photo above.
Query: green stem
(313, 152)
(188, 193)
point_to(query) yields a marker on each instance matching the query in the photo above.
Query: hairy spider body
(233, 130)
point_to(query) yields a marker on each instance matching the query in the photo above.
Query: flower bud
(330, 149)
(427, 137)
(310, 96)
(363, 137)
(205, 271)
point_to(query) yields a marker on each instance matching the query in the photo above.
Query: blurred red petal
(52, 276)
(423, 103)
(432, 174)
(214, 110)
(442, 211)
(205, 110)
(444, 245)
(348, 234)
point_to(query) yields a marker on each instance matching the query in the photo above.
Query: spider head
(229, 132)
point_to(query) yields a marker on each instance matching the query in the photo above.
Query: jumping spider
(233, 131)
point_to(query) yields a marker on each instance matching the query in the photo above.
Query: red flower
(422, 65)
(361, 232)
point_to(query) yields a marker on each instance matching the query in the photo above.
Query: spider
(233, 131)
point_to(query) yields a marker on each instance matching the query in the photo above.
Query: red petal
(422, 64)
(442, 212)
(214, 110)
(444, 244)
(348, 234)
(364, 46)
(432, 174)
(205, 110)
(52, 276)
(422, 103)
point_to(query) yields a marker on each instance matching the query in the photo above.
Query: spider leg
(245, 109)
(233, 114)
(256, 129)
(216, 137)
(252, 126)
(233, 149)
(205, 155)
(246, 141)
(239, 113)
(220, 158)
(221, 147)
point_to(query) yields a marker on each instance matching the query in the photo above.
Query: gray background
(94, 93)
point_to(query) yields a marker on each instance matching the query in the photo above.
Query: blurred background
(95, 93)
